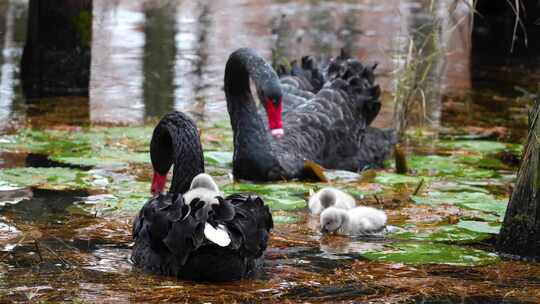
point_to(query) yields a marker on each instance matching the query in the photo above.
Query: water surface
(61, 243)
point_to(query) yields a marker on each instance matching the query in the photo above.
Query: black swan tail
(375, 146)
(358, 81)
(170, 237)
(251, 224)
(305, 76)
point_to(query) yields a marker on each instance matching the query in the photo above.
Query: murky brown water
(150, 57)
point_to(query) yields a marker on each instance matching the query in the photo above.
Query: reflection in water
(498, 74)
(117, 48)
(12, 33)
(430, 37)
(194, 24)
(46, 207)
(152, 56)
(159, 57)
(315, 29)
(57, 52)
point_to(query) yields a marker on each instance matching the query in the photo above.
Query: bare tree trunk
(520, 232)
(56, 57)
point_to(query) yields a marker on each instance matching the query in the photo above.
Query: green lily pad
(105, 157)
(387, 178)
(483, 161)
(494, 206)
(432, 253)
(126, 195)
(516, 149)
(482, 227)
(90, 147)
(222, 158)
(285, 219)
(472, 200)
(447, 166)
(445, 234)
(46, 178)
(480, 146)
(341, 175)
(446, 186)
(217, 136)
(283, 196)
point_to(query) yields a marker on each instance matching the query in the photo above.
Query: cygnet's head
(204, 188)
(205, 181)
(327, 197)
(332, 219)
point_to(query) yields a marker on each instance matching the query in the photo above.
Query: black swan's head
(271, 95)
(245, 64)
(175, 140)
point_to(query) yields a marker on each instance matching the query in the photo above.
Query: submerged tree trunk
(56, 57)
(520, 232)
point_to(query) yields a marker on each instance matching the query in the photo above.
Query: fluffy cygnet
(356, 221)
(330, 197)
(203, 187)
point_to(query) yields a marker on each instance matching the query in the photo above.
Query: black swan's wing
(251, 225)
(330, 129)
(169, 234)
(166, 227)
(306, 77)
(301, 82)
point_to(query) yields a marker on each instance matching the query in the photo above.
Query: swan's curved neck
(253, 156)
(176, 142)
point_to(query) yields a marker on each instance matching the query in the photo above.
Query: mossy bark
(56, 57)
(520, 232)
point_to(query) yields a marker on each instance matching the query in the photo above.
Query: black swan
(172, 235)
(329, 127)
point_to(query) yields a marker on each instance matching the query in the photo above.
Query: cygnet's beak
(324, 230)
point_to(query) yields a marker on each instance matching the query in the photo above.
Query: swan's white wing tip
(217, 235)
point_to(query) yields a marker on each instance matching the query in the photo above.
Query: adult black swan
(176, 237)
(331, 128)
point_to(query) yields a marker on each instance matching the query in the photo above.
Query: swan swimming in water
(356, 221)
(329, 125)
(330, 197)
(195, 240)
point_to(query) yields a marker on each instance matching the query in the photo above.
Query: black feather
(173, 246)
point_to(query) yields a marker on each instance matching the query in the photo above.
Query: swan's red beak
(158, 183)
(273, 110)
